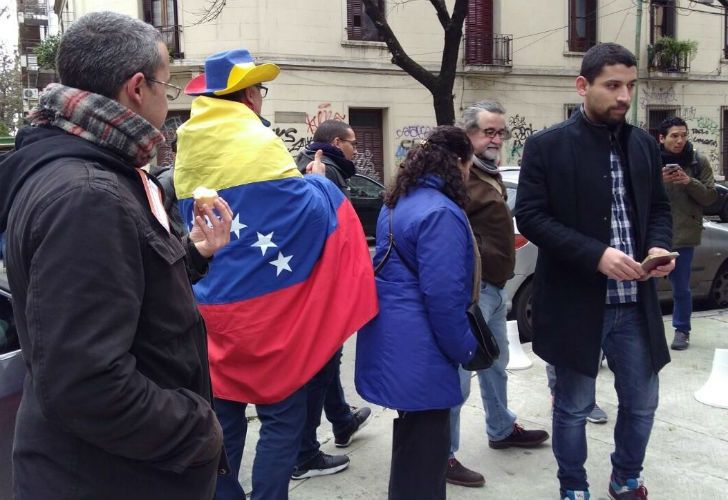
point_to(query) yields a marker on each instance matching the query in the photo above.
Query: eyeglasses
(490, 133)
(174, 91)
(263, 90)
(350, 141)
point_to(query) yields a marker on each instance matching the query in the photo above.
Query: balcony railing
(668, 63)
(492, 50)
(33, 12)
(172, 36)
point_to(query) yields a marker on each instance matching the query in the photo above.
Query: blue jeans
(624, 342)
(281, 426)
(499, 419)
(681, 296)
(317, 390)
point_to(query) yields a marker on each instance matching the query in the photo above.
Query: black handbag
(487, 351)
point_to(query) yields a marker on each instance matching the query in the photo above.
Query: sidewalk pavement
(687, 457)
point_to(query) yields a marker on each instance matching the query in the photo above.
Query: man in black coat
(116, 404)
(591, 197)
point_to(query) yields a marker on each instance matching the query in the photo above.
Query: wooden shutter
(582, 25)
(367, 125)
(479, 32)
(724, 142)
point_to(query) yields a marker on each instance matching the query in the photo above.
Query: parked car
(719, 208)
(708, 279)
(12, 372)
(367, 196)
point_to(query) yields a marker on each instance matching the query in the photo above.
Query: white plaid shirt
(620, 292)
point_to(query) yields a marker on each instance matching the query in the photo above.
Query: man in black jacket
(591, 196)
(116, 404)
(337, 142)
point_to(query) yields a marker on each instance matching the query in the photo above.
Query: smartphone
(653, 261)
(671, 167)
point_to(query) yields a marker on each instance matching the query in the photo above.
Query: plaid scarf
(99, 120)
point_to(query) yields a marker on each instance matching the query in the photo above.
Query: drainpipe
(637, 49)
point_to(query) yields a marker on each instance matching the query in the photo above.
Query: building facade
(526, 54)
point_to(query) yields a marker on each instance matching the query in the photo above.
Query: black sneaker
(321, 465)
(597, 415)
(681, 341)
(361, 418)
(520, 438)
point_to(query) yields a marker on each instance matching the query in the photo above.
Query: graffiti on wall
(705, 135)
(296, 135)
(520, 131)
(657, 94)
(322, 113)
(408, 137)
(364, 163)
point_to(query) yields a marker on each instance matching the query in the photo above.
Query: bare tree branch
(453, 36)
(442, 13)
(399, 56)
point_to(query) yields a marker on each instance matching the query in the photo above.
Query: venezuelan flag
(296, 279)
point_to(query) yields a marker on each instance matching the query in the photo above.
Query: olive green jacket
(687, 202)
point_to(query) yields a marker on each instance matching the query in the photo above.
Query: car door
(367, 196)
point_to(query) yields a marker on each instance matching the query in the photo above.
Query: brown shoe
(458, 474)
(520, 438)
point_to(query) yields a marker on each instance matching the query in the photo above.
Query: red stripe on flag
(263, 349)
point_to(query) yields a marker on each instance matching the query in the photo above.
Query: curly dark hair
(439, 156)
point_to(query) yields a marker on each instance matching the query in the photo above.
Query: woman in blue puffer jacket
(407, 357)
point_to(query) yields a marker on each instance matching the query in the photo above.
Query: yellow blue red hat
(230, 71)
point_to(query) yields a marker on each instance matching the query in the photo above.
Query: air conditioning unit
(30, 93)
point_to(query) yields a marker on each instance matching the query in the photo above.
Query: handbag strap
(392, 245)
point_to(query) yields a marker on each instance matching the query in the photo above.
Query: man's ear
(248, 95)
(132, 91)
(661, 138)
(581, 85)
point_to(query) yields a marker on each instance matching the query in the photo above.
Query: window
(358, 24)
(662, 19)
(655, 115)
(582, 25)
(367, 125)
(479, 32)
(162, 14)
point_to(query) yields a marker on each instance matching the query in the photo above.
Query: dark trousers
(281, 426)
(318, 389)
(337, 410)
(420, 449)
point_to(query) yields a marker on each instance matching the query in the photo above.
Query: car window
(361, 187)
(511, 197)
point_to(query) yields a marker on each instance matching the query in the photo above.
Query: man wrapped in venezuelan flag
(295, 281)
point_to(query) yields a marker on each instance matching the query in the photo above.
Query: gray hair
(469, 120)
(102, 50)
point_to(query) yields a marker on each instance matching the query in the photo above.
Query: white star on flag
(236, 226)
(264, 242)
(281, 263)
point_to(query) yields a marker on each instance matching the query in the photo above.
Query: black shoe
(458, 474)
(360, 419)
(321, 465)
(520, 438)
(681, 341)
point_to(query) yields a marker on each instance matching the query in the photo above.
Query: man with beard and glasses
(690, 186)
(116, 403)
(485, 124)
(591, 196)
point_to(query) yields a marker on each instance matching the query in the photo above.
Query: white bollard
(517, 358)
(715, 390)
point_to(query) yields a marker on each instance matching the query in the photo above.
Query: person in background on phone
(590, 197)
(407, 357)
(690, 186)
